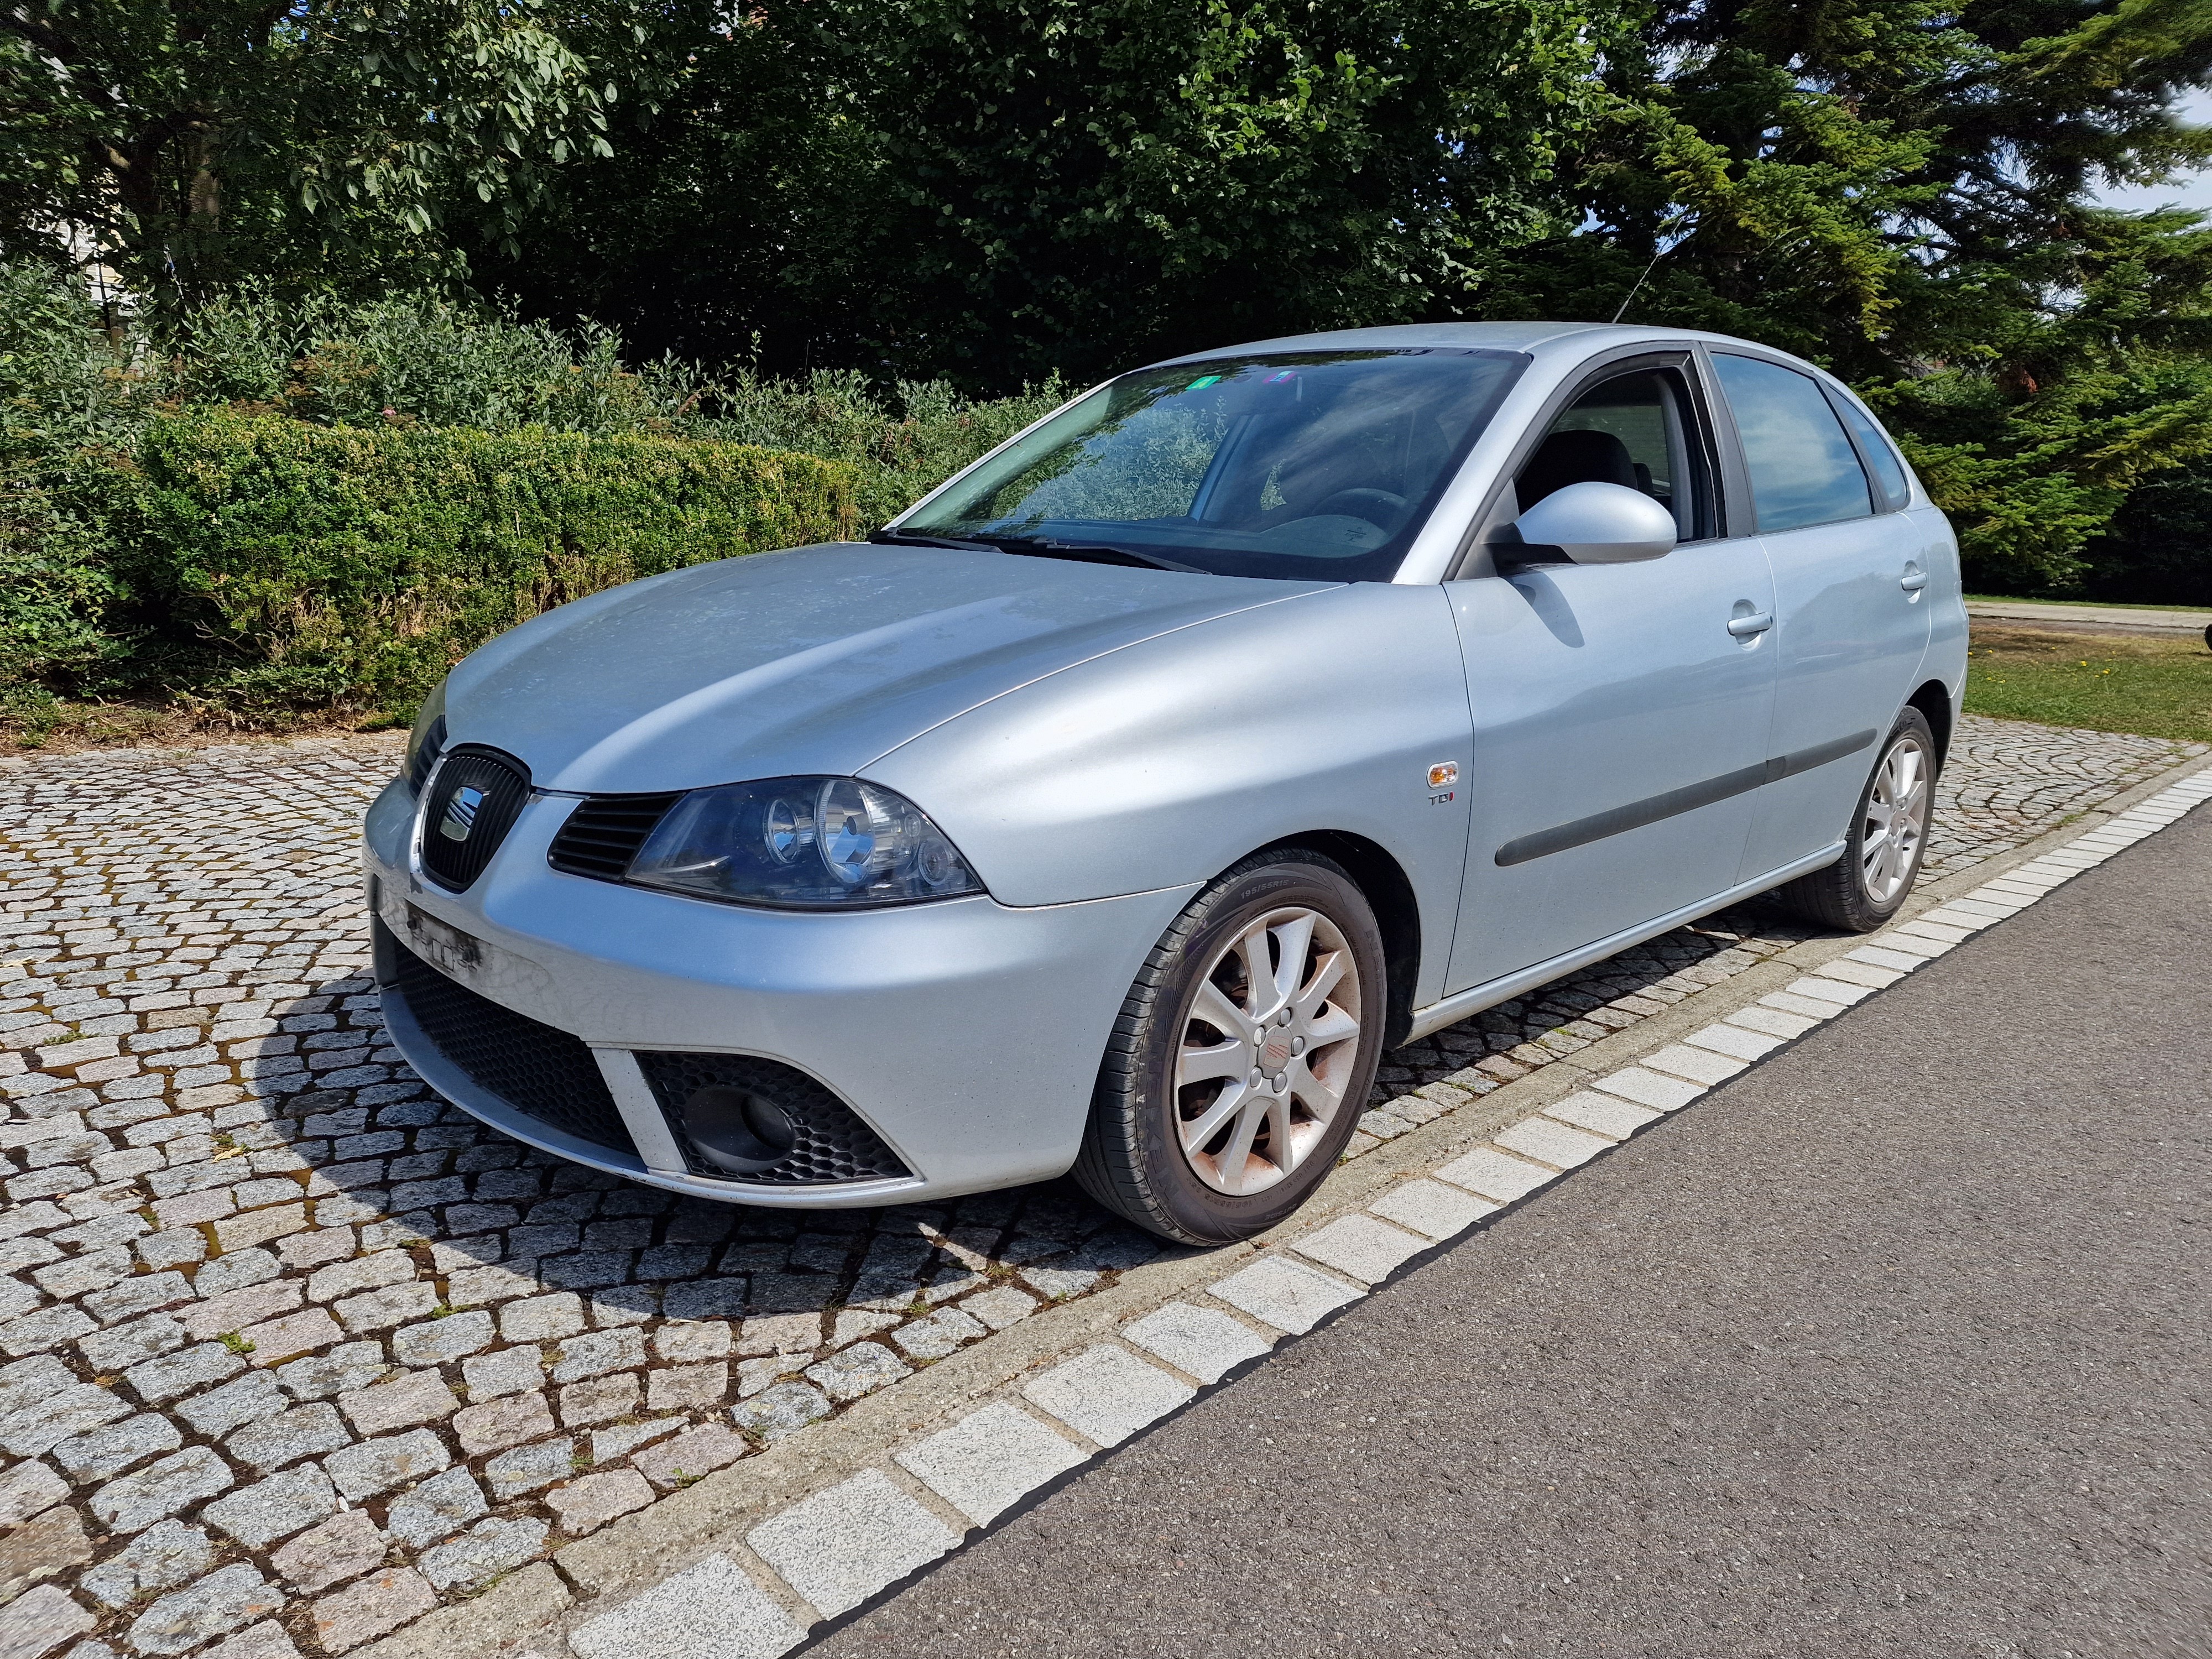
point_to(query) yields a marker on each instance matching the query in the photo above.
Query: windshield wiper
(910, 538)
(1043, 547)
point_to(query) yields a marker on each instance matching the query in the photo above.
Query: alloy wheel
(1896, 821)
(1270, 1042)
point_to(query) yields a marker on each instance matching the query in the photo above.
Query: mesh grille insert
(834, 1145)
(603, 834)
(478, 794)
(539, 1070)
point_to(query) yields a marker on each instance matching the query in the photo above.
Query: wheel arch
(1933, 700)
(1389, 893)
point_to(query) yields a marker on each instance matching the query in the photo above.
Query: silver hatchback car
(1119, 805)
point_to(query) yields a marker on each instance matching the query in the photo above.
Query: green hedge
(269, 565)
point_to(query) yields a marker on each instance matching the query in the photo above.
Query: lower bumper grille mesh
(540, 1071)
(833, 1146)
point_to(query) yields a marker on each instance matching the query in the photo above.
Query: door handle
(1758, 623)
(1914, 578)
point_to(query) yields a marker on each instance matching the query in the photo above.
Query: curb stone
(991, 1431)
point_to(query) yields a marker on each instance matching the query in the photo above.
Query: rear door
(1620, 726)
(1850, 569)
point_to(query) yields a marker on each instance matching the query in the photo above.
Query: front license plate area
(443, 946)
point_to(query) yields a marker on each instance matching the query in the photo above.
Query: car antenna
(1657, 254)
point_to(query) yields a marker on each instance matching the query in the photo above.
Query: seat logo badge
(460, 814)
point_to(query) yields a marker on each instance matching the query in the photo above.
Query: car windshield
(1305, 464)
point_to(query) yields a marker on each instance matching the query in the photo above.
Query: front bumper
(966, 1034)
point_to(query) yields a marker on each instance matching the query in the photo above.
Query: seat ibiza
(1118, 804)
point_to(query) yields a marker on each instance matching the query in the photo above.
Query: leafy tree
(1902, 190)
(999, 189)
(196, 141)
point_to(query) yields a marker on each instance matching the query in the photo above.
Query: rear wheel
(1243, 1056)
(1888, 834)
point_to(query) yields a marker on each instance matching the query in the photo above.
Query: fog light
(737, 1131)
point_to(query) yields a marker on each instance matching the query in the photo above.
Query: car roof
(1534, 337)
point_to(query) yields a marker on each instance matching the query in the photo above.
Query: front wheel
(1861, 890)
(1243, 1056)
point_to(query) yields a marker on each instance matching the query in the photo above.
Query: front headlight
(811, 843)
(427, 740)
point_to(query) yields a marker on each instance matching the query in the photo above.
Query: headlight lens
(811, 843)
(426, 740)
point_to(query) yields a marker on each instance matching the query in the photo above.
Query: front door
(1851, 629)
(1621, 725)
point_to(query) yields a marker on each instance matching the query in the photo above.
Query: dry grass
(61, 727)
(2156, 686)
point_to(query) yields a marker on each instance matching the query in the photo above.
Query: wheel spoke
(1238, 1152)
(1258, 972)
(1321, 1099)
(1293, 938)
(1214, 1007)
(1326, 973)
(1207, 1124)
(1230, 1059)
(1334, 1026)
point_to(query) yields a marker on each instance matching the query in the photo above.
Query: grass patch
(2094, 605)
(2159, 687)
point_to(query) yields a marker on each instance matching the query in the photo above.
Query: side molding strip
(1619, 820)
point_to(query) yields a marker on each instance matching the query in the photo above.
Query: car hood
(815, 659)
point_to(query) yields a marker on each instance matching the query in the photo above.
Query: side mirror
(1599, 524)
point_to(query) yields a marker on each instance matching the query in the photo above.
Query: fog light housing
(737, 1131)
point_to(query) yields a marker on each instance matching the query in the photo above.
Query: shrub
(278, 566)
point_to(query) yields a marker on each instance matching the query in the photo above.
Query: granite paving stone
(840, 1547)
(1431, 1208)
(530, 1468)
(435, 1509)
(487, 1549)
(1107, 1393)
(341, 1547)
(694, 1453)
(50, 1544)
(223, 1601)
(163, 1555)
(259, 1514)
(1201, 1342)
(1362, 1246)
(40, 1620)
(708, 1607)
(383, 1601)
(160, 1490)
(1284, 1294)
(377, 1466)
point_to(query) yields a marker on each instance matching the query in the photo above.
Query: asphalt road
(1896, 1345)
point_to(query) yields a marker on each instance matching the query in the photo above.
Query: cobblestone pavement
(290, 1351)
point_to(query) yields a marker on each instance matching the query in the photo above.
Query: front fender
(1164, 762)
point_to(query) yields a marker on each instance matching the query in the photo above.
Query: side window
(1804, 469)
(1634, 429)
(1889, 480)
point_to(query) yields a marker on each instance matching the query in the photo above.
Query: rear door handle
(1913, 579)
(1758, 623)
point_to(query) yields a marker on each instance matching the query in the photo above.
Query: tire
(1848, 896)
(1259, 1137)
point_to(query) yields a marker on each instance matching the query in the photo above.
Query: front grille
(603, 834)
(539, 1070)
(833, 1146)
(477, 796)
